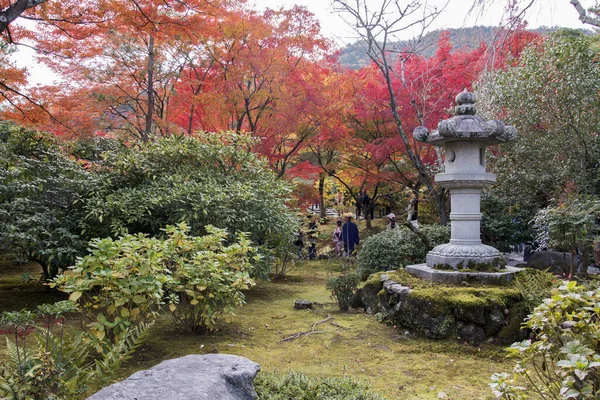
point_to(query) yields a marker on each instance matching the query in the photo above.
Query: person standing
(337, 238)
(392, 225)
(313, 235)
(358, 203)
(350, 236)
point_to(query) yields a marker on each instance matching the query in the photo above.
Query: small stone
(465, 283)
(303, 305)
(442, 395)
(384, 277)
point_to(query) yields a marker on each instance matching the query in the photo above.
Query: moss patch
(468, 297)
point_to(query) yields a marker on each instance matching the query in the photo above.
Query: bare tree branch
(583, 16)
(13, 11)
(377, 27)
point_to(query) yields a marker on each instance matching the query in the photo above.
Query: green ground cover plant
(562, 360)
(274, 386)
(44, 360)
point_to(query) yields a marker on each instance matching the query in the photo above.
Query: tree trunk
(149, 90)
(191, 119)
(322, 195)
(45, 272)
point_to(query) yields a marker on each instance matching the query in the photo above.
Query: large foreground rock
(193, 377)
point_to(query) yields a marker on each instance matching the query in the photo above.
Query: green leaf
(75, 295)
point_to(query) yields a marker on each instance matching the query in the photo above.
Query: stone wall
(470, 314)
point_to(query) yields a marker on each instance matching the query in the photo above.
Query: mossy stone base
(470, 314)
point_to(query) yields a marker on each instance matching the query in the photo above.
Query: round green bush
(396, 249)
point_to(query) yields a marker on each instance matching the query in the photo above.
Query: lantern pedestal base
(460, 256)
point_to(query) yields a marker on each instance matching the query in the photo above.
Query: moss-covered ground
(397, 365)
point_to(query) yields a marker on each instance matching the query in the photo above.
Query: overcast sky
(455, 15)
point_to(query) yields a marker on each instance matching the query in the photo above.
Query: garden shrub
(342, 289)
(396, 249)
(208, 179)
(43, 360)
(562, 360)
(39, 192)
(297, 386)
(125, 282)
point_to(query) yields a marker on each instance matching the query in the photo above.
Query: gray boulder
(193, 377)
(470, 333)
(558, 262)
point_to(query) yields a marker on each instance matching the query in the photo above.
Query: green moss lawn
(397, 365)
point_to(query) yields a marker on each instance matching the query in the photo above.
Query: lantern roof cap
(465, 125)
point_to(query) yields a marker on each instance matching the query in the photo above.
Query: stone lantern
(464, 138)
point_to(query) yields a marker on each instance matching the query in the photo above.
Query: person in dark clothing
(299, 242)
(358, 203)
(312, 238)
(527, 252)
(350, 236)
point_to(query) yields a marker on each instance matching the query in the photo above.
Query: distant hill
(354, 56)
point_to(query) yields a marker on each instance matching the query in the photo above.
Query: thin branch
(311, 332)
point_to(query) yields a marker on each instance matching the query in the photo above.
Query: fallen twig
(337, 325)
(311, 332)
(299, 334)
(320, 322)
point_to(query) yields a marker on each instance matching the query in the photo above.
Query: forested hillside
(354, 55)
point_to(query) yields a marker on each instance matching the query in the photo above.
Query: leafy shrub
(208, 179)
(125, 282)
(503, 224)
(39, 188)
(570, 227)
(562, 361)
(44, 361)
(274, 386)
(206, 277)
(395, 249)
(342, 289)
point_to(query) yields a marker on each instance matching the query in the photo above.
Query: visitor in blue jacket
(349, 235)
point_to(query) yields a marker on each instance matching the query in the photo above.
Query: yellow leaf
(134, 313)
(172, 307)
(100, 334)
(194, 302)
(75, 295)
(124, 312)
